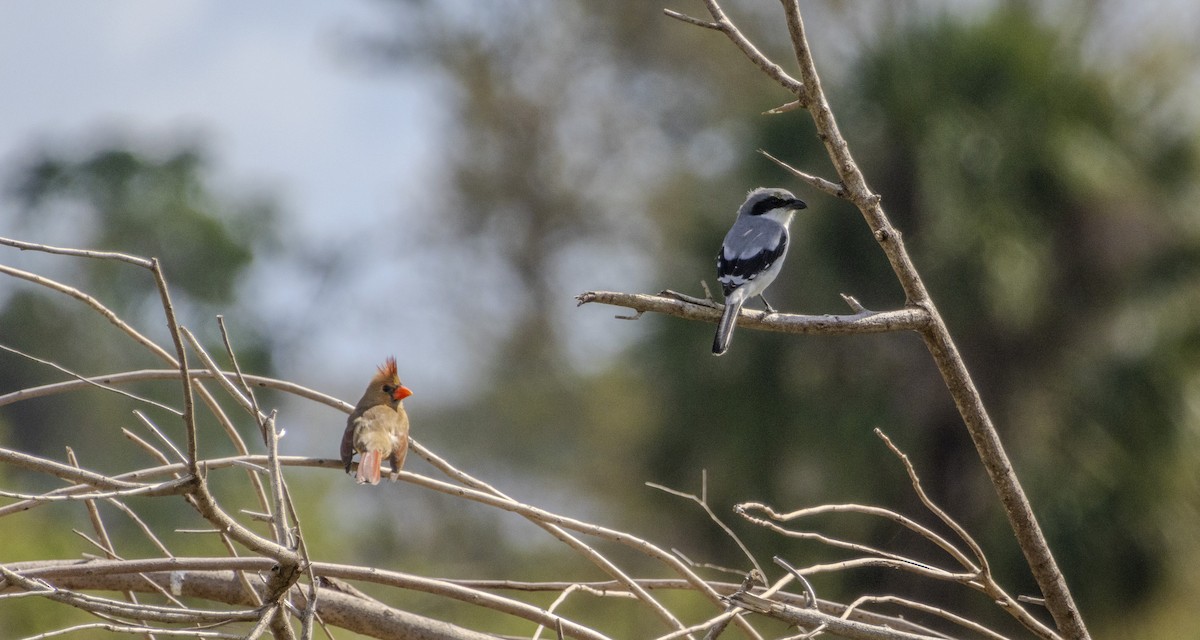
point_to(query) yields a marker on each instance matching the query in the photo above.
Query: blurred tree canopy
(120, 198)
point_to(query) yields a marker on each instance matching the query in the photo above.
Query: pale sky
(278, 99)
(283, 106)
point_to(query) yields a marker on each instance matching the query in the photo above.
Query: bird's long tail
(733, 306)
(368, 467)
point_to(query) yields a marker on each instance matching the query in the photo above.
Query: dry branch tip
(682, 17)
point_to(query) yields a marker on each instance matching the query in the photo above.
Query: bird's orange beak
(401, 393)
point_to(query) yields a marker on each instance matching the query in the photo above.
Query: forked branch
(974, 573)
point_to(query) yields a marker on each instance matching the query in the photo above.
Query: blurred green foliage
(145, 204)
(149, 206)
(138, 203)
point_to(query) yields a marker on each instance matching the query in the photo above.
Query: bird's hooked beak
(401, 393)
(797, 204)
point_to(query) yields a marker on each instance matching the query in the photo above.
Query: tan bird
(378, 426)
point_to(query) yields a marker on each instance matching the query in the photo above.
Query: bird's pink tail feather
(368, 467)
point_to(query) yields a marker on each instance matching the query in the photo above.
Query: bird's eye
(389, 389)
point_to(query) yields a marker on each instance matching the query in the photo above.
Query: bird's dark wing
(743, 256)
(348, 441)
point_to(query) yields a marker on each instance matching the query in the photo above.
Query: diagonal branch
(813, 618)
(821, 184)
(723, 24)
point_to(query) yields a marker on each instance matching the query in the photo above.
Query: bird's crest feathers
(387, 371)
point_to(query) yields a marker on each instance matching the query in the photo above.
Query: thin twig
(556, 524)
(92, 382)
(958, 529)
(250, 404)
(173, 487)
(149, 533)
(821, 184)
(562, 597)
(121, 628)
(65, 472)
(145, 446)
(265, 619)
(160, 435)
(745, 509)
(703, 503)
(966, 623)
(122, 609)
(78, 253)
(126, 377)
(810, 594)
(189, 404)
(104, 541)
(722, 23)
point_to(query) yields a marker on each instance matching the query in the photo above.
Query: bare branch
(141, 524)
(810, 594)
(120, 628)
(347, 611)
(65, 472)
(91, 382)
(813, 618)
(933, 507)
(702, 501)
(173, 487)
(746, 508)
(79, 253)
(690, 20)
(908, 319)
(726, 589)
(821, 184)
(722, 23)
(198, 575)
(171, 374)
(173, 327)
(977, 576)
(270, 582)
(162, 437)
(558, 530)
(122, 609)
(96, 306)
(145, 446)
(924, 608)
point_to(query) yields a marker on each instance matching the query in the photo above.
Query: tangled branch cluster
(279, 586)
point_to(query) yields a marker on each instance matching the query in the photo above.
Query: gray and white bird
(753, 254)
